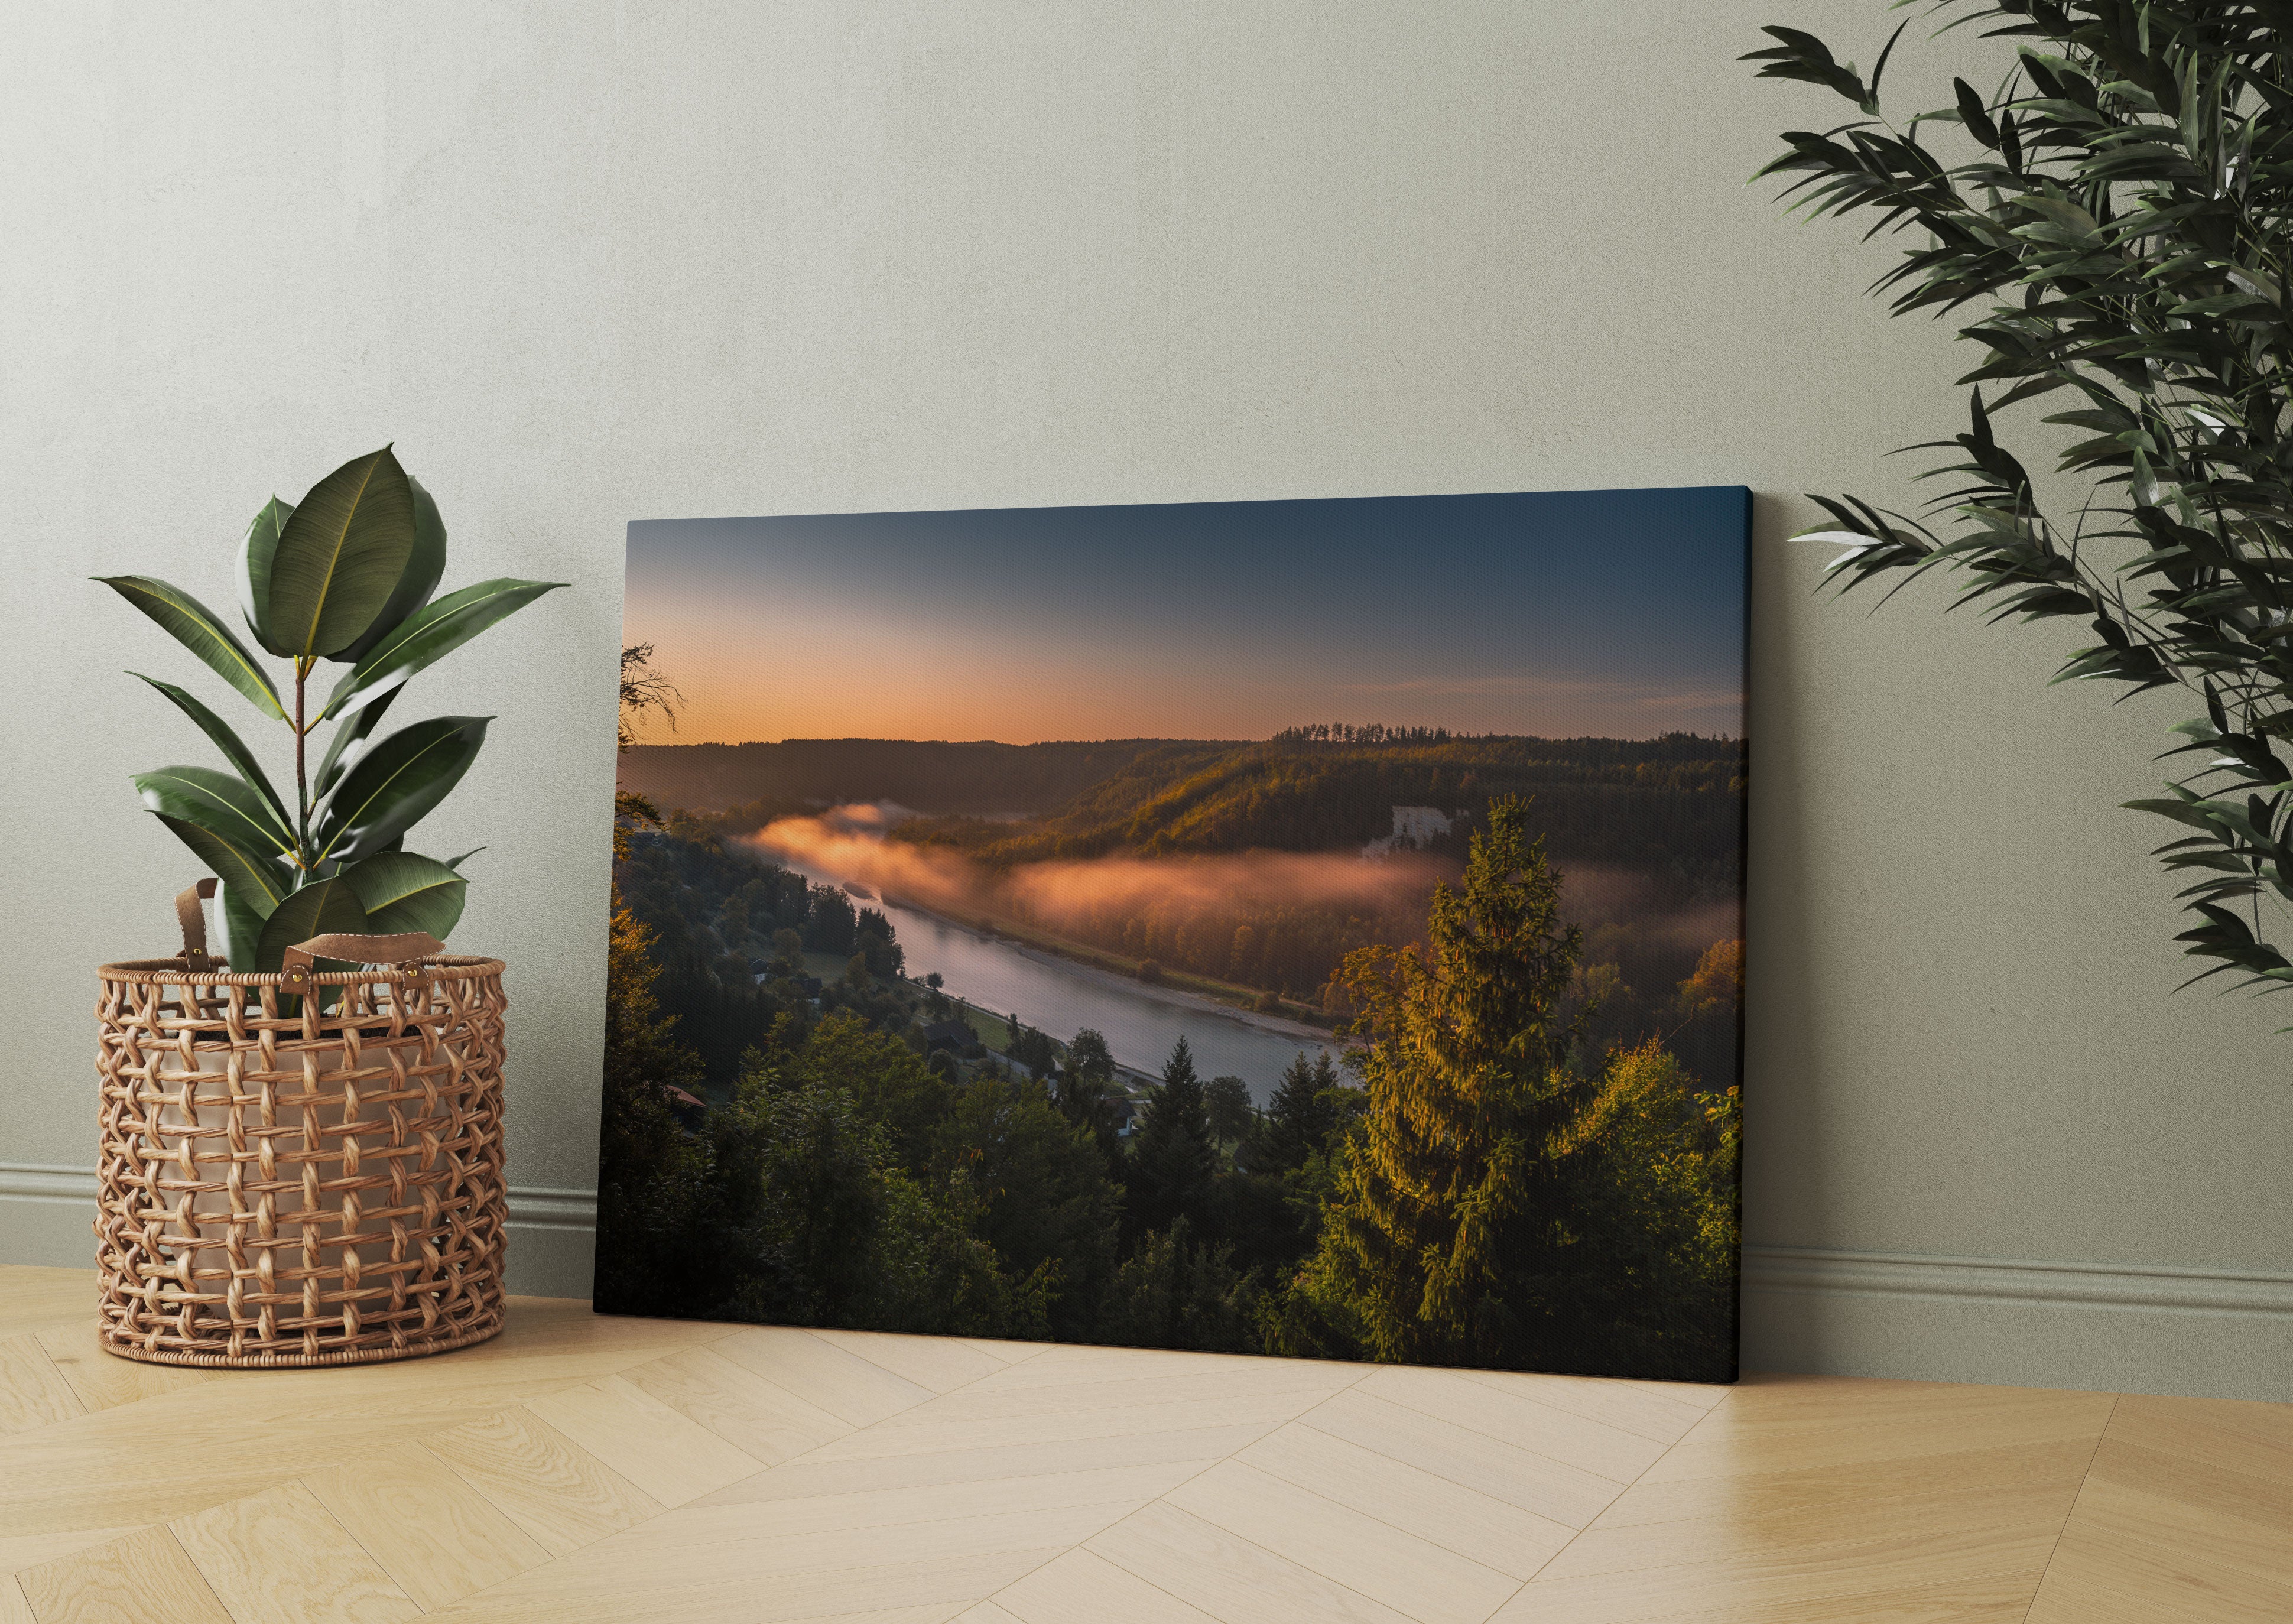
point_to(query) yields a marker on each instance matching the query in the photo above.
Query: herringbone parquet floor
(584, 1468)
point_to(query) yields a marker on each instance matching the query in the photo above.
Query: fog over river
(1061, 998)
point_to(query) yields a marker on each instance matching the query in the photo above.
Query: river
(1055, 997)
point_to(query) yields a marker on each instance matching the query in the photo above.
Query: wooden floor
(584, 1468)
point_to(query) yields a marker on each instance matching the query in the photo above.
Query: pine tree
(1457, 1236)
(1296, 1119)
(1175, 1157)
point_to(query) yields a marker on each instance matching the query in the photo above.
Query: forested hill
(977, 780)
(1674, 803)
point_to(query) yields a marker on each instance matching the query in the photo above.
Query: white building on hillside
(1412, 826)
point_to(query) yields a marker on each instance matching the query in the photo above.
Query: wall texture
(588, 263)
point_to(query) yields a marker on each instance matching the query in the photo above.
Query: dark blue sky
(1612, 612)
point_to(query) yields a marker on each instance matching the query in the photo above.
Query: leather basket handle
(193, 921)
(296, 964)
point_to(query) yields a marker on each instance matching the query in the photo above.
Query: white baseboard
(2117, 1327)
(2134, 1328)
(1821, 1270)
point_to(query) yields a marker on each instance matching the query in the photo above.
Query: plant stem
(302, 789)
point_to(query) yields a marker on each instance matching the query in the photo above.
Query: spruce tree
(1458, 1234)
(1297, 1120)
(1175, 1157)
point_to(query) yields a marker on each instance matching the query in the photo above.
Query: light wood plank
(1413, 1576)
(1550, 1489)
(1516, 1417)
(710, 1562)
(31, 1550)
(1003, 1352)
(1665, 1416)
(811, 1476)
(2164, 1536)
(143, 1579)
(843, 1384)
(986, 1613)
(434, 1534)
(1126, 1488)
(13, 1608)
(757, 1417)
(560, 1494)
(1809, 1422)
(102, 1380)
(575, 1590)
(1262, 1379)
(1083, 1585)
(279, 1558)
(666, 1454)
(1228, 1577)
(1989, 1584)
(1063, 1362)
(1491, 1531)
(940, 1363)
(924, 1432)
(34, 1297)
(33, 1392)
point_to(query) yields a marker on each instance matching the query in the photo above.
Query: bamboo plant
(2113, 224)
(346, 576)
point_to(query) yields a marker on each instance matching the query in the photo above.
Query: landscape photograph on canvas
(1300, 927)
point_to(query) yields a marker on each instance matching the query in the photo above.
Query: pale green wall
(587, 263)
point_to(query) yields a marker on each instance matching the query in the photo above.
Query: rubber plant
(345, 576)
(2111, 225)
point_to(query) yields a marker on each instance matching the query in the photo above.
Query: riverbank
(1226, 998)
(1316, 1037)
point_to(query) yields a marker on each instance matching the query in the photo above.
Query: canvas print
(1302, 928)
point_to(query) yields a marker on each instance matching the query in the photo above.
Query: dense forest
(981, 779)
(1672, 803)
(1529, 1159)
(1530, 1201)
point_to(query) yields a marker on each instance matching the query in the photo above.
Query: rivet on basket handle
(193, 920)
(295, 964)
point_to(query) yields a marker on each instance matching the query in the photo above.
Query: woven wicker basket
(293, 1175)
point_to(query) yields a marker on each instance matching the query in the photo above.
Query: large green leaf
(395, 783)
(340, 556)
(419, 579)
(401, 890)
(241, 921)
(435, 631)
(256, 548)
(262, 881)
(195, 626)
(218, 802)
(234, 750)
(321, 908)
(348, 743)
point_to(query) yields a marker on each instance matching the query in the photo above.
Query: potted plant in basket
(302, 1142)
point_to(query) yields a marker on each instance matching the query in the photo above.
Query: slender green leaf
(240, 916)
(195, 626)
(348, 743)
(395, 783)
(432, 633)
(219, 801)
(256, 548)
(458, 862)
(423, 566)
(340, 556)
(402, 891)
(261, 880)
(233, 749)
